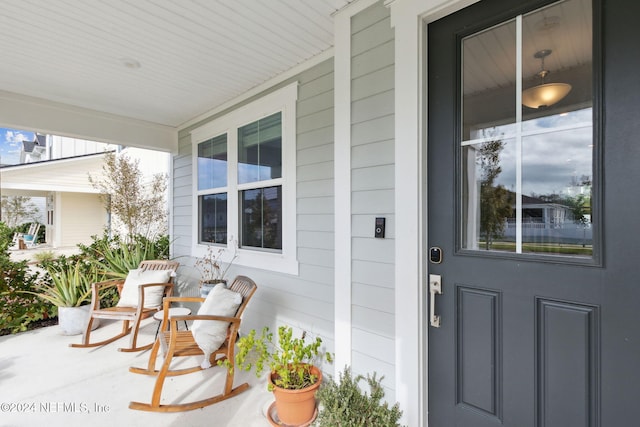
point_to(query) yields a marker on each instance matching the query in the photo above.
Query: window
(244, 182)
(527, 158)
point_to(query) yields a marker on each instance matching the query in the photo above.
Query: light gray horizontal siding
(304, 301)
(373, 273)
(375, 82)
(380, 129)
(373, 178)
(315, 171)
(372, 60)
(316, 239)
(315, 154)
(377, 202)
(315, 222)
(315, 137)
(371, 36)
(373, 154)
(373, 107)
(373, 321)
(319, 188)
(373, 195)
(315, 205)
(370, 249)
(315, 121)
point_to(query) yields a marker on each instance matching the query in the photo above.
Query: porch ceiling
(159, 61)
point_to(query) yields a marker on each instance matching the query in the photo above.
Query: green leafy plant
(69, 285)
(344, 404)
(44, 256)
(18, 310)
(115, 257)
(289, 360)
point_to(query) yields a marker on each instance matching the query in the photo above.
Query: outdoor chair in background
(31, 238)
(215, 336)
(28, 239)
(141, 295)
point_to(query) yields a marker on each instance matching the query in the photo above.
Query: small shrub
(344, 404)
(44, 256)
(17, 309)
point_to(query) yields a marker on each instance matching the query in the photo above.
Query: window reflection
(262, 218)
(260, 150)
(213, 218)
(212, 163)
(527, 174)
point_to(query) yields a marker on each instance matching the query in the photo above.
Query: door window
(527, 135)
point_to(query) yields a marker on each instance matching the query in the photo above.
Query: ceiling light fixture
(545, 94)
(130, 63)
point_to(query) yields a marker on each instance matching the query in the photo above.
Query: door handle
(435, 288)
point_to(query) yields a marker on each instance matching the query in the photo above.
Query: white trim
(342, 182)
(282, 100)
(408, 17)
(310, 63)
(41, 115)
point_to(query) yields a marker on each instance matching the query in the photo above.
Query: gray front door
(533, 213)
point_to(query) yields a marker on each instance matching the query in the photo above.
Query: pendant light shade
(545, 94)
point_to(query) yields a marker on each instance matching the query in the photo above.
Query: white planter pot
(73, 320)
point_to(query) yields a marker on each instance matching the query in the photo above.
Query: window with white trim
(244, 182)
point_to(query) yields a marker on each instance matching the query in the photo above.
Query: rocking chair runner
(182, 343)
(135, 313)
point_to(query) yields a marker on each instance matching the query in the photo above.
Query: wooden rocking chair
(182, 343)
(134, 313)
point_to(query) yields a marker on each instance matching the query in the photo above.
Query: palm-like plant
(116, 257)
(70, 284)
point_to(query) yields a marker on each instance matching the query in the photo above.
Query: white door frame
(409, 19)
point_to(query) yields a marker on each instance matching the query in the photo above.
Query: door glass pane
(527, 134)
(260, 150)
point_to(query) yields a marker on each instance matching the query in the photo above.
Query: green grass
(543, 248)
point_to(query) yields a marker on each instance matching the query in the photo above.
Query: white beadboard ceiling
(193, 55)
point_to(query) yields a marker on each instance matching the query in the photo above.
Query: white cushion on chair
(152, 296)
(210, 334)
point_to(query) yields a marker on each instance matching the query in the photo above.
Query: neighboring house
(303, 168)
(56, 169)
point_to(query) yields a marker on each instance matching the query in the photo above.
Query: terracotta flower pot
(296, 407)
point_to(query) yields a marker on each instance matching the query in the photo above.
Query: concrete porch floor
(43, 381)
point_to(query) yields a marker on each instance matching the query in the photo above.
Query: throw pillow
(210, 334)
(152, 296)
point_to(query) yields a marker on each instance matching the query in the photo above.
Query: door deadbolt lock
(435, 255)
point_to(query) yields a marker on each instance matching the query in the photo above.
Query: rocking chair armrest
(168, 300)
(173, 321)
(188, 317)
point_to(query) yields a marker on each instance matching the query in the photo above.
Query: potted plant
(294, 377)
(211, 269)
(69, 289)
(344, 403)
